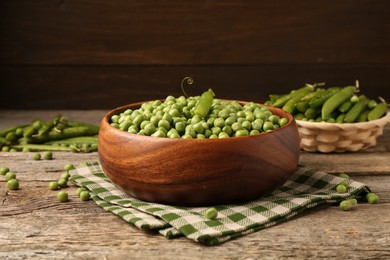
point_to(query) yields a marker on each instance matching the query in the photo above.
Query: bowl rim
(117, 110)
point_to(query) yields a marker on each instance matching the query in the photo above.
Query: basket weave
(334, 137)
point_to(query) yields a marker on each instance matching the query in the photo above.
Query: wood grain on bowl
(196, 172)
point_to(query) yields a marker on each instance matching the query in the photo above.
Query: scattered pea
(341, 188)
(79, 190)
(10, 176)
(65, 176)
(4, 170)
(344, 175)
(372, 198)
(13, 184)
(346, 205)
(62, 196)
(353, 201)
(54, 185)
(48, 155)
(211, 213)
(69, 167)
(63, 183)
(37, 156)
(84, 195)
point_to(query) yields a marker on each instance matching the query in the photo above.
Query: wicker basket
(333, 137)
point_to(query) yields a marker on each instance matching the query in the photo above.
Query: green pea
(254, 132)
(211, 213)
(62, 196)
(37, 156)
(164, 123)
(63, 183)
(198, 127)
(224, 113)
(216, 130)
(241, 114)
(236, 126)
(208, 133)
(79, 190)
(268, 126)
(187, 136)
(68, 167)
(180, 127)
(84, 195)
(372, 198)
(159, 133)
(149, 128)
(274, 119)
(4, 170)
(250, 117)
(344, 175)
(246, 125)
(230, 120)
(48, 155)
(353, 201)
(213, 136)
(227, 129)
(65, 175)
(283, 121)
(195, 119)
(345, 205)
(341, 188)
(223, 135)
(219, 122)
(242, 132)
(13, 184)
(54, 185)
(115, 118)
(10, 176)
(257, 124)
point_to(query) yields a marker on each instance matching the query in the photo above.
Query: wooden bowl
(198, 172)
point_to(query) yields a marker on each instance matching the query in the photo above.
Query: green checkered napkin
(305, 189)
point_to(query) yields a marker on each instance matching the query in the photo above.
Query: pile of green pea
(349, 203)
(178, 118)
(333, 105)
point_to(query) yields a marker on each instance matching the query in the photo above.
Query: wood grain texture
(34, 225)
(97, 54)
(107, 87)
(189, 32)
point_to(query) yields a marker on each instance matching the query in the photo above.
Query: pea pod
(302, 106)
(356, 110)
(379, 111)
(66, 133)
(313, 94)
(202, 108)
(311, 113)
(344, 107)
(4, 132)
(321, 99)
(340, 119)
(290, 104)
(280, 102)
(363, 116)
(336, 100)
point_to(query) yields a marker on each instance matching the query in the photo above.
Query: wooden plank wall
(90, 54)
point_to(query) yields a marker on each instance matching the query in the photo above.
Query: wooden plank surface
(96, 87)
(193, 32)
(34, 225)
(52, 53)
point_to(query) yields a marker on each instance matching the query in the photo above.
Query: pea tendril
(187, 80)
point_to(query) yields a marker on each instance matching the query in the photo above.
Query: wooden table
(34, 225)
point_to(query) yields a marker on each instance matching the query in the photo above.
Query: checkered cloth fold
(305, 189)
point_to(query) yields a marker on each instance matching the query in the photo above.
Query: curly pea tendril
(187, 80)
